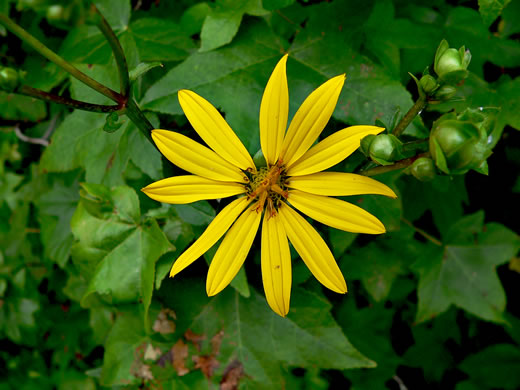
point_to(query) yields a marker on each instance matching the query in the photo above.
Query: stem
(52, 56)
(428, 236)
(136, 115)
(419, 105)
(397, 165)
(420, 145)
(119, 55)
(49, 97)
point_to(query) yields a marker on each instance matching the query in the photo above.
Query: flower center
(268, 187)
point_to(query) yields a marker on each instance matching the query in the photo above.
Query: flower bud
(56, 13)
(423, 169)
(9, 79)
(451, 64)
(458, 146)
(365, 144)
(385, 149)
(446, 92)
(428, 84)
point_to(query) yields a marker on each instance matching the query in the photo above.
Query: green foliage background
(84, 298)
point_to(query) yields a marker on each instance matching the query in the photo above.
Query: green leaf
(494, 367)
(143, 68)
(87, 146)
(198, 213)
(370, 333)
(221, 24)
(117, 13)
(379, 263)
(491, 9)
(242, 67)
(160, 40)
(370, 91)
(261, 341)
(121, 356)
(103, 156)
(464, 275)
(443, 197)
(429, 352)
(340, 241)
(18, 107)
(272, 5)
(19, 316)
(117, 255)
(387, 36)
(464, 26)
(193, 18)
(180, 235)
(55, 212)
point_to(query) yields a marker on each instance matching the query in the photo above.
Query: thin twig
(49, 97)
(397, 165)
(51, 127)
(23, 137)
(400, 382)
(422, 232)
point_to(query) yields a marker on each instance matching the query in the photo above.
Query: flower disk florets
(268, 187)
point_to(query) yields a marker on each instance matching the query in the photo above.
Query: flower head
(292, 179)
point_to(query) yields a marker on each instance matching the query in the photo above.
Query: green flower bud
(446, 92)
(385, 149)
(365, 144)
(9, 79)
(428, 84)
(458, 146)
(451, 64)
(423, 169)
(56, 13)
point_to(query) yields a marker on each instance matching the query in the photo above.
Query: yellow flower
(291, 180)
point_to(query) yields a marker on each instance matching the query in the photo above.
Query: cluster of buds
(461, 142)
(458, 142)
(450, 66)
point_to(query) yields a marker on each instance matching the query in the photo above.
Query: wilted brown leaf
(216, 341)
(232, 375)
(164, 324)
(194, 338)
(151, 352)
(180, 353)
(206, 363)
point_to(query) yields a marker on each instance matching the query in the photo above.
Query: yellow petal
(310, 119)
(276, 265)
(312, 249)
(211, 235)
(195, 158)
(339, 184)
(233, 251)
(274, 110)
(332, 150)
(214, 130)
(336, 213)
(191, 188)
